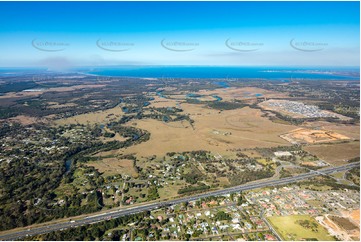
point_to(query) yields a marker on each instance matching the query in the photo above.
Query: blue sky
(65, 34)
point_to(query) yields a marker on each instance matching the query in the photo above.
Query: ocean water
(226, 72)
(278, 73)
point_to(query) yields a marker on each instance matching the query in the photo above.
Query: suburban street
(11, 235)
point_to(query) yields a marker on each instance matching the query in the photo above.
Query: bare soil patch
(310, 136)
(343, 223)
(335, 154)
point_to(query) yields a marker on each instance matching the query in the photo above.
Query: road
(11, 235)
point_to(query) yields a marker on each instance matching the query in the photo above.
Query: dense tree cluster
(190, 189)
(94, 231)
(28, 180)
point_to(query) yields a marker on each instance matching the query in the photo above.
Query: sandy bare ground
(345, 235)
(352, 131)
(355, 216)
(331, 227)
(302, 135)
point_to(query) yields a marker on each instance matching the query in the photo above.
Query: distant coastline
(217, 72)
(226, 72)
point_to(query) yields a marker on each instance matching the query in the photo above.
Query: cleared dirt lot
(349, 130)
(335, 154)
(343, 223)
(310, 136)
(335, 230)
(355, 216)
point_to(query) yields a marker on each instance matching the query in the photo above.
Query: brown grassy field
(229, 94)
(159, 102)
(53, 89)
(252, 153)
(26, 120)
(93, 117)
(213, 130)
(56, 105)
(336, 154)
(220, 131)
(113, 166)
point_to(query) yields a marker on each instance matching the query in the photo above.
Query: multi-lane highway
(11, 235)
